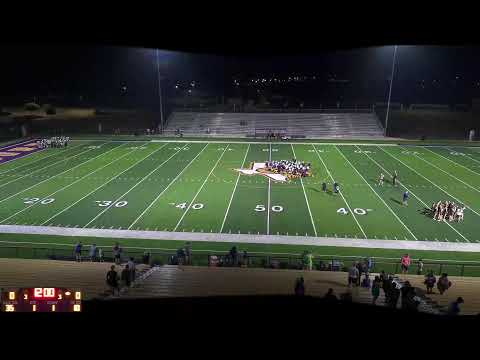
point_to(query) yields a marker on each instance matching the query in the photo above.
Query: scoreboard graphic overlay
(41, 300)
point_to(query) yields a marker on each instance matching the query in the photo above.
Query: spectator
(126, 276)
(131, 266)
(370, 264)
(244, 259)
(420, 267)
(443, 284)
(188, 253)
(78, 251)
(117, 253)
(382, 276)
(394, 294)
(308, 261)
(112, 280)
(300, 287)
(336, 265)
(387, 285)
(93, 252)
(146, 257)
(330, 296)
(366, 281)
(234, 256)
(430, 281)
(180, 256)
(454, 308)
(405, 261)
(375, 289)
(361, 270)
(353, 275)
(100, 254)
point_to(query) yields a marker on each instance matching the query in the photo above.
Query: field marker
(99, 187)
(466, 155)
(71, 184)
(446, 172)
(199, 190)
(396, 216)
(405, 187)
(306, 199)
(453, 197)
(133, 187)
(50, 178)
(452, 161)
(234, 189)
(341, 193)
(46, 157)
(158, 196)
(269, 187)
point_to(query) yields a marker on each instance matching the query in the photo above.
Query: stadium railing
(275, 261)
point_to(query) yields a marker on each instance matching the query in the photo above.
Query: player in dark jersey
(394, 178)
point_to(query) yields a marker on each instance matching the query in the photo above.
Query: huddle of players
(447, 210)
(292, 168)
(54, 142)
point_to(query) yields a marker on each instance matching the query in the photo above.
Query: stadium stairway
(89, 277)
(316, 125)
(193, 281)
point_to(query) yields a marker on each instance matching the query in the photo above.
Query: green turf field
(192, 187)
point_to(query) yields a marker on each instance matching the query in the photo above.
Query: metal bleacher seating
(316, 125)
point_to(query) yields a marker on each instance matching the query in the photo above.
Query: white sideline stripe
(46, 167)
(234, 189)
(269, 190)
(36, 152)
(340, 192)
(49, 178)
(201, 187)
(431, 182)
(446, 172)
(306, 198)
(134, 186)
(244, 238)
(466, 155)
(383, 201)
(452, 161)
(424, 204)
(73, 183)
(163, 191)
(261, 142)
(99, 187)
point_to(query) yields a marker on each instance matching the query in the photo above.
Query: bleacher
(315, 125)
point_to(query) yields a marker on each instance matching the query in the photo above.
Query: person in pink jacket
(406, 261)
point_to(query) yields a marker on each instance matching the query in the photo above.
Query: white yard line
(341, 192)
(424, 204)
(163, 191)
(50, 178)
(431, 182)
(99, 187)
(243, 238)
(466, 155)
(446, 172)
(269, 189)
(73, 183)
(46, 167)
(36, 152)
(306, 198)
(134, 186)
(454, 162)
(234, 189)
(381, 199)
(201, 187)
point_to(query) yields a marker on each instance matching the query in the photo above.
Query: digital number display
(41, 300)
(44, 293)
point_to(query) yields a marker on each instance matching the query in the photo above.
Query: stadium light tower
(159, 91)
(390, 90)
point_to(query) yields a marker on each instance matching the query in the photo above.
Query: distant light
(457, 77)
(190, 91)
(176, 86)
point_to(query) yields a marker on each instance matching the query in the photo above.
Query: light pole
(159, 92)
(390, 90)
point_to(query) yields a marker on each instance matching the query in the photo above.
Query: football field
(191, 186)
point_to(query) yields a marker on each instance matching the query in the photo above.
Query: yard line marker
(446, 172)
(133, 187)
(46, 157)
(306, 199)
(199, 190)
(50, 178)
(391, 210)
(234, 189)
(452, 161)
(453, 197)
(99, 187)
(466, 155)
(159, 195)
(269, 188)
(46, 167)
(405, 187)
(69, 185)
(341, 193)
